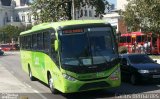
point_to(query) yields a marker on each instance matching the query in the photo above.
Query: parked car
(139, 68)
(7, 47)
(1, 52)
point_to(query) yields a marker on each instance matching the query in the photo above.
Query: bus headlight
(115, 75)
(68, 77)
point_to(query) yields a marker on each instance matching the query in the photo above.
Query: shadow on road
(90, 95)
(124, 89)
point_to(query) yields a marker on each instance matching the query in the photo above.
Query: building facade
(86, 12)
(15, 12)
(115, 19)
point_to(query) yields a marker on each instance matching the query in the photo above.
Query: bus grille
(88, 86)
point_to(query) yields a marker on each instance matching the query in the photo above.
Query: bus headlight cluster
(68, 77)
(115, 75)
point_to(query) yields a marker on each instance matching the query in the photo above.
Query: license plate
(156, 76)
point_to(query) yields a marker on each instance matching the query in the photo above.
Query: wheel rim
(30, 73)
(51, 83)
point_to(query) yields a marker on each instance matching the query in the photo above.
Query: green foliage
(143, 14)
(54, 10)
(122, 49)
(9, 33)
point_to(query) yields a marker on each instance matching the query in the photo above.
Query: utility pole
(73, 10)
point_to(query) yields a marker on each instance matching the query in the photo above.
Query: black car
(139, 67)
(1, 52)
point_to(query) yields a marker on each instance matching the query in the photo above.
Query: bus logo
(92, 67)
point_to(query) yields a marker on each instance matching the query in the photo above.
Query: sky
(113, 2)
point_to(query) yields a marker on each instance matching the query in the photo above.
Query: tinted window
(40, 41)
(125, 39)
(46, 41)
(122, 39)
(128, 39)
(28, 42)
(34, 41)
(94, 46)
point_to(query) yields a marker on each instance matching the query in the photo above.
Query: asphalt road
(38, 90)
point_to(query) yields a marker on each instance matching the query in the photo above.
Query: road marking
(12, 72)
(41, 95)
(27, 85)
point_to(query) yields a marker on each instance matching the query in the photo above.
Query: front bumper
(78, 86)
(150, 77)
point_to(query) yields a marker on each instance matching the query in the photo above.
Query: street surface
(14, 82)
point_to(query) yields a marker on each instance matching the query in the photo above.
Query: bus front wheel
(51, 85)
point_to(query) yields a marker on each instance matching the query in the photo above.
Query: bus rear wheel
(32, 78)
(51, 85)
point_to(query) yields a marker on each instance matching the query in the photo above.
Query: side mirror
(56, 46)
(124, 62)
(155, 61)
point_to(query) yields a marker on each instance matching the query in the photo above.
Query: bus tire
(51, 84)
(32, 78)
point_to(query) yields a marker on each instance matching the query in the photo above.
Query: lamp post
(73, 10)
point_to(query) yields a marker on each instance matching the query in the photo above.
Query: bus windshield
(140, 38)
(125, 39)
(88, 47)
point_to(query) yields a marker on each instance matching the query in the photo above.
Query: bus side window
(34, 41)
(46, 41)
(28, 42)
(25, 41)
(40, 41)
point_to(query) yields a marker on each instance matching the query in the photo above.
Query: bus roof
(56, 25)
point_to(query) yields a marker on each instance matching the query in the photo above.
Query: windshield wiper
(99, 52)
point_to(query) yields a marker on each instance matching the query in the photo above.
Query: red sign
(73, 31)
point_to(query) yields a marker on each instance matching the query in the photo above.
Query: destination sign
(71, 31)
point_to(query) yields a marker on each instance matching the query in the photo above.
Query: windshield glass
(140, 38)
(87, 47)
(138, 59)
(125, 39)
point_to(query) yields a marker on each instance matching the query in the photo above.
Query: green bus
(71, 56)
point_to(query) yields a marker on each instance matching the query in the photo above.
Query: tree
(9, 33)
(143, 14)
(54, 10)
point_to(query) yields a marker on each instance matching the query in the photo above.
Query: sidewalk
(10, 84)
(12, 88)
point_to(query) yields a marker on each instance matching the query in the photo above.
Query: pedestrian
(142, 48)
(145, 46)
